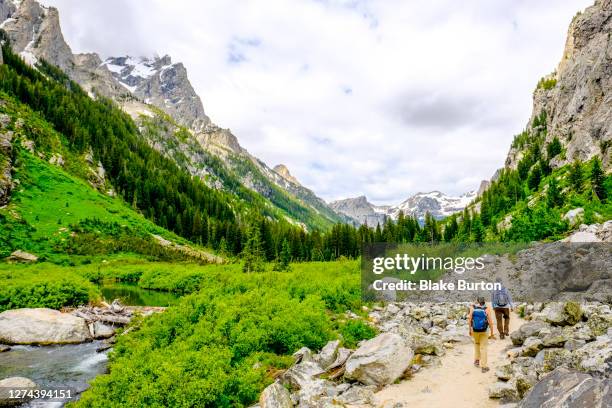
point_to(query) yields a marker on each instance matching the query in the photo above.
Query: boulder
(42, 326)
(569, 389)
(503, 390)
(574, 344)
(343, 355)
(357, 395)
(100, 330)
(328, 354)
(554, 338)
(424, 344)
(531, 347)
(22, 256)
(275, 396)
(562, 314)
(594, 357)
(555, 357)
(380, 360)
(574, 216)
(14, 383)
(527, 330)
(300, 375)
(303, 354)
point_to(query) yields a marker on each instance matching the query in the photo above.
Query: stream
(74, 365)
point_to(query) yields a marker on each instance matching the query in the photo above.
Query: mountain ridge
(436, 203)
(158, 88)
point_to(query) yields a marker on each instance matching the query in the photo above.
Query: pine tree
(553, 195)
(597, 180)
(554, 148)
(575, 177)
(253, 254)
(284, 258)
(533, 181)
(478, 231)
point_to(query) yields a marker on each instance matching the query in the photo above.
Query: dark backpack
(479, 319)
(502, 298)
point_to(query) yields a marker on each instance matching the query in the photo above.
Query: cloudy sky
(383, 98)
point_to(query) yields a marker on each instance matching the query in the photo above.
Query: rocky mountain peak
(35, 33)
(577, 98)
(283, 171)
(159, 82)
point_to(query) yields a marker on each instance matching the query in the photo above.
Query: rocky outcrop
(592, 233)
(6, 168)
(42, 326)
(379, 361)
(22, 256)
(13, 383)
(162, 83)
(563, 337)
(577, 97)
(570, 389)
(361, 211)
(275, 396)
(283, 171)
(34, 32)
(577, 269)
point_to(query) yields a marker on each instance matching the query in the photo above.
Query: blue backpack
(479, 319)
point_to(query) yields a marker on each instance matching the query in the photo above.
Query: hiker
(502, 305)
(480, 320)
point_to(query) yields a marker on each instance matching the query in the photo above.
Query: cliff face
(577, 98)
(162, 83)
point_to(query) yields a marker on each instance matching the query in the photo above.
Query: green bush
(25, 288)
(354, 331)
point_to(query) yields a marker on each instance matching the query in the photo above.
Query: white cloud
(383, 98)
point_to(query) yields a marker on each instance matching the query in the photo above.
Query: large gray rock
(380, 360)
(14, 383)
(328, 354)
(42, 326)
(275, 396)
(569, 389)
(561, 314)
(595, 357)
(526, 330)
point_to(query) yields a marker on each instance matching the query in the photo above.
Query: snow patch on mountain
(436, 203)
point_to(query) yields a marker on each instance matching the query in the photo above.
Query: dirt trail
(456, 383)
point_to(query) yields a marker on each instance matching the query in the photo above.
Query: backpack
(502, 298)
(479, 319)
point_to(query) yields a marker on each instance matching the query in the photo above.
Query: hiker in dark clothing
(479, 319)
(502, 305)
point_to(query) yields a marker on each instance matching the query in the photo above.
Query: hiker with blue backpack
(502, 305)
(479, 320)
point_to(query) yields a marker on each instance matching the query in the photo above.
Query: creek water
(67, 366)
(131, 294)
(74, 365)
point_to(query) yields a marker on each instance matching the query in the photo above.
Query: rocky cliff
(162, 83)
(574, 103)
(361, 211)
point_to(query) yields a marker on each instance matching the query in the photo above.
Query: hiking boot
(485, 369)
(501, 336)
(476, 363)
